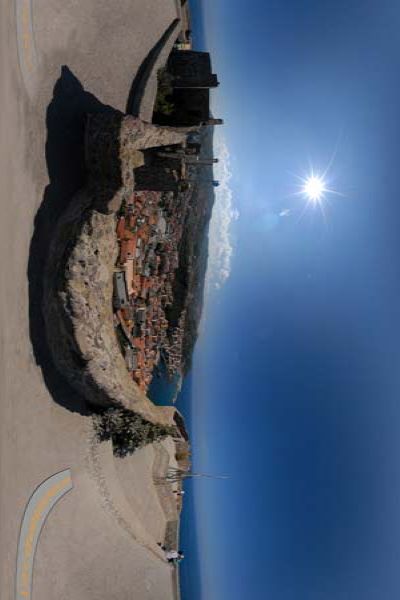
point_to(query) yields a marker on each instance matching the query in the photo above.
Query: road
(57, 60)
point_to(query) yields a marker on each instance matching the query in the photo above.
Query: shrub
(183, 455)
(122, 209)
(128, 431)
(163, 104)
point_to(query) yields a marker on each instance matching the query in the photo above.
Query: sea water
(189, 569)
(163, 390)
(198, 32)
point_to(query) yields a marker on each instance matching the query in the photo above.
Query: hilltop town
(162, 231)
(156, 272)
(149, 230)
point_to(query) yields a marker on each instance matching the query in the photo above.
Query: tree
(129, 431)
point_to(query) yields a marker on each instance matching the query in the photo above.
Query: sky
(295, 385)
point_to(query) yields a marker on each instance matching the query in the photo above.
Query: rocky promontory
(78, 286)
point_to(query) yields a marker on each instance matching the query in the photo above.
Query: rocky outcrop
(78, 284)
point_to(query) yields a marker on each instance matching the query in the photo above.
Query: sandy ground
(93, 544)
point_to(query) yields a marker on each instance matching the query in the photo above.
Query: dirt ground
(59, 60)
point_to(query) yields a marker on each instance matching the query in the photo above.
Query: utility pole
(175, 475)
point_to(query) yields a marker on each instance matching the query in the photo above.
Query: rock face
(78, 285)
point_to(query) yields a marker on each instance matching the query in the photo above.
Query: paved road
(91, 49)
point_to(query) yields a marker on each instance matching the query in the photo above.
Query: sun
(314, 188)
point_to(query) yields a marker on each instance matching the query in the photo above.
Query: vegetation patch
(163, 104)
(128, 430)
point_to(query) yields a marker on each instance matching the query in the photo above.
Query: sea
(162, 392)
(198, 26)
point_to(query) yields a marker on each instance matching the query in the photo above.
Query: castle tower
(196, 160)
(212, 122)
(191, 69)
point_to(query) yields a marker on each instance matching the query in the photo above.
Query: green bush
(163, 104)
(128, 431)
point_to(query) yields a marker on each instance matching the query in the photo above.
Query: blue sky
(296, 378)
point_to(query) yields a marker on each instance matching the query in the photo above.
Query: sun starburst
(314, 188)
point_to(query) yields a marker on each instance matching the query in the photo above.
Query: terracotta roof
(128, 249)
(120, 227)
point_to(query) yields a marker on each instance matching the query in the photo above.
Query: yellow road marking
(26, 45)
(32, 523)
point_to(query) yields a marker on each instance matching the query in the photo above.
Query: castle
(191, 80)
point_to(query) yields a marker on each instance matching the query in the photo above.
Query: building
(131, 359)
(193, 148)
(191, 81)
(183, 46)
(121, 228)
(198, 160)
(120, 292)
(129, 274)
(157, 178)
(162, 225)
(141, 315)
(128, 250)
(191, 69)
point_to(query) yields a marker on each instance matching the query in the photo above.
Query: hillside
(188, 289)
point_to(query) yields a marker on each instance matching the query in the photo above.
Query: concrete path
(57, 60)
